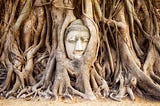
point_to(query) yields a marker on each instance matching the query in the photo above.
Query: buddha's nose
(78, 46)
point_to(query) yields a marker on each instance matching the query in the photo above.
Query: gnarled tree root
(126, 87)
(62, 85)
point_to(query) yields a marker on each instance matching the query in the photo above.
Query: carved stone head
(76, 39)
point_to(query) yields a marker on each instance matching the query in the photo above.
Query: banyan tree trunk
(121, 56)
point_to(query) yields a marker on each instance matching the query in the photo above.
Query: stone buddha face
(76, 39)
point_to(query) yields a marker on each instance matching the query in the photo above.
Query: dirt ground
(79, 102)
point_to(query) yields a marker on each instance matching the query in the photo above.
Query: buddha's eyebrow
(86, 37)
(71, 37)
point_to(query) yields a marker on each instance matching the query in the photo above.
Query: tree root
(62, 84)
(99, 85)
(144, 82)
(116, 65)
(13, 91)
(127, 85)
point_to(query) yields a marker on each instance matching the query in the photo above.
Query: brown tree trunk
(121, 56)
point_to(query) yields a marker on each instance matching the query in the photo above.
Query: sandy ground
(79, 102)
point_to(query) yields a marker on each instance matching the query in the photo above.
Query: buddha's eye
(85, 39)
(71, 39)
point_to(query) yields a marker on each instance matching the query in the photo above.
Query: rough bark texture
(122, 56)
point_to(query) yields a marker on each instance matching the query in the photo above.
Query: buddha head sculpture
(76, 39)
